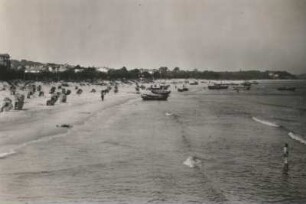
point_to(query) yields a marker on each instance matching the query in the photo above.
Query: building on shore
(55, 68)
(37, 68)
(5, 61)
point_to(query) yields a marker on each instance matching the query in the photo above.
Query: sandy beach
(37, 121)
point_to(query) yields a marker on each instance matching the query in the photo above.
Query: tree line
(90, 73)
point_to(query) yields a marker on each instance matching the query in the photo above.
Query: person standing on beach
(102, 95)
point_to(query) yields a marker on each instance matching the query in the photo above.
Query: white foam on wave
(192, 162)
(43, 139)
(169, 114)
(6, 154)
(268, 123)
(297, 137)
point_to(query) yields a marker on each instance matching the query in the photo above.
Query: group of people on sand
(8, 104)
(20, 91)
(60, 95)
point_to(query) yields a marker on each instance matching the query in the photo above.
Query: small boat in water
(285, 88)
(217, 86)
(153, 96)
(246, 84)
(239, 88)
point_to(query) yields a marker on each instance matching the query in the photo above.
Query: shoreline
(38, 121)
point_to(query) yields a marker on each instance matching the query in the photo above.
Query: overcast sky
(203, 34)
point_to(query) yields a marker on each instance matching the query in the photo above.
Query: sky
(213, 35)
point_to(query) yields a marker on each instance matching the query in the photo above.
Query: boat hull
(162, 92)
(154, 97)
(286, 88)
(182, 89)
(217, 87)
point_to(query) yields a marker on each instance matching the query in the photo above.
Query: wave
(6, 154)
(42, 139)
(297, 137)
(265, 122)
(291, 134)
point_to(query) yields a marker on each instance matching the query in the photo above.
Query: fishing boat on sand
(182, 89)
(156, 93)
(153, 96)
(194, 83)
(158, 87)
(161, 91)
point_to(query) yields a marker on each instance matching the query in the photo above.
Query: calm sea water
(134, 151)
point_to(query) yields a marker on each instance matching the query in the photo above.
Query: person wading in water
(286, 155)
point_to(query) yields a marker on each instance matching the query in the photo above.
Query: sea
(135, 151)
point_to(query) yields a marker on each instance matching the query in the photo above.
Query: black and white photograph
(152, 101)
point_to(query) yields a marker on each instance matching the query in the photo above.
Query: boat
(194, 83)
(285, 88)
(161, 91)
(239, 87)
(158, 87)
(217, 86)
(246, 84)
(153, 96)
(182, 89)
